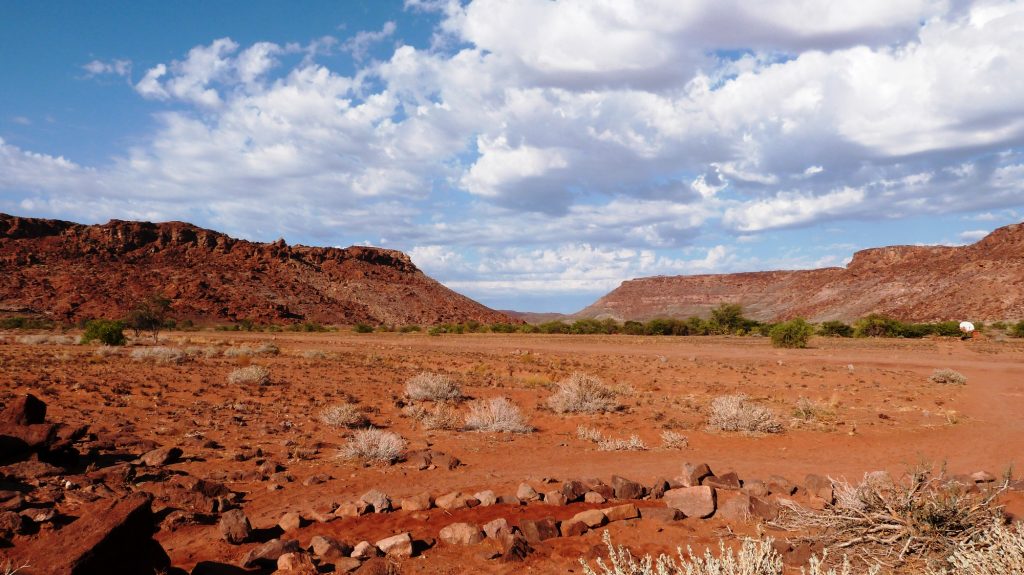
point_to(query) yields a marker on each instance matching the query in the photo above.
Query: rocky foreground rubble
(77, 502)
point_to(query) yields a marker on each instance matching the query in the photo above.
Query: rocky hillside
(982, 281)
(68, 271)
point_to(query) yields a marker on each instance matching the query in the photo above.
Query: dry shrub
(997, 551)
(343, 415)
(441, 416)
(734, 413)
(432, 387)
(251, 375)
(374, 446)
(314, 354)
(948, 376)
(497, 415)
(582, 393)
(673, 440)
(634, 443)
(888, 521)
(589, 434)
(755, 557)
(106, 351)
(46, 339)
(159, 354)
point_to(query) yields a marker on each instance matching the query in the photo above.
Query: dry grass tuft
(441, 416)
(158, 354)
(997, 551)
(673, 440)
(633, 443)
(948, 376)
(432, 387)
(497, 415)
(888, 521)
(343, 415)
(735, 413)
(251, 375)
(374, 446)
(582, 393)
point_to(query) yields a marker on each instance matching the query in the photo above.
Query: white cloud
(973, 235)
(359, 44)
(121, 68)
(792, 208)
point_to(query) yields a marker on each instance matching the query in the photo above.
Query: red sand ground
(884, 414)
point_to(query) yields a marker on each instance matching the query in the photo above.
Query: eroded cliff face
(983, 281)
(69, 271)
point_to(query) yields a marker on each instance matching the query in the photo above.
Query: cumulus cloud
(599, 137)
(121, 68)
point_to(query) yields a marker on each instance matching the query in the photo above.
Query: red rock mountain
(69, 271)
(981, 281)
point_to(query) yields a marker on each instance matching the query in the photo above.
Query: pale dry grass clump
(343, 415)
(46, 339)
(442, 416)
(314, 354)
(673, 440)
(633, 443)
(755, 557)
(158, 354)
(374, 446)
(735, 413)
(922, 516)
(250, 375)
(497, 415)
(429, 386)
(582, 393)
(948, 376)
(997, 551)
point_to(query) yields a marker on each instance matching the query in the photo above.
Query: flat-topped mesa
(70, 271)
(981, 281)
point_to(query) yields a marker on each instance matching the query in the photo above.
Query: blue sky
(530, 154)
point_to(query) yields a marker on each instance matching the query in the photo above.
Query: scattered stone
(659, 488)
(328, 548)
(514, 546)
(572, 528)
(462, 534)
(626, 489)
(161, 456)
(290, 521)
(295, 563)
(728, 480)
(268, 553)
(537, 530)
(377, 500)
(365, 550)
(24, 410)
(492, 528)
(316, 479)
(527, 493)
(486, 498)
(444, 461)
(346, 564)
(450, 501)
(555, 498)
(693, 475)
(397, 545)
(621, 512)
(574, 491)
(604, 489)
(593, 497)
(821, 488)
(591, 518)
(11, 523)
(756, 488)
(509, 500)
(780, 485)
(700, 501)
(234, 527)
(354, 509)
(662, 514)
(377, 566)
(420, 502)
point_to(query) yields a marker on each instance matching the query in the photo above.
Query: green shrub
(835, 328)
(105, 331)
(554, 327)
(793, 333)
(998, 325)
(504, 328)
(362, 328)
(1018, 329)
(308, 327)
(633, 328)
(21, 322)
(409, 328)
(877, 325)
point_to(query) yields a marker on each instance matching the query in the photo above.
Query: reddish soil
(67, 272)
(981, 281)
(877, 410)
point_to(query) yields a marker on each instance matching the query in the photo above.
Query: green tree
(105, 331)
(793, 333)
(728, 317)
(149, 314)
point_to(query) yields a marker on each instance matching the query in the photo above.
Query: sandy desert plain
(846, 407)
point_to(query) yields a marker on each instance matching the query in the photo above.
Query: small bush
(441, 416)
(673, 440)
(362, 328)
(45, 339)
(314, 354)
(159, 354)
(948, 376)
(877, 325)
(432, 387)
(20, 322)
(251, 375)
(1018, 329)
(833, 328)
(374, 446)
(794, 333)
(634, 443)
(107, 332)
(734, 413)
(343, 415)
(410, 329)
(582, 393)
(496, 415)
(998, 551)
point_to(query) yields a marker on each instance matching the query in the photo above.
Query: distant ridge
(981, 281)
(70, 271)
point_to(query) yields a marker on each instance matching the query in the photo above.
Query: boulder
(527, 493)
(354, 509)
(399, 545)
(554, 498)
(450, 501)
(572, 528)
(290, 521)
(234, 526)
(699, 501)
(728, 480)
(24, 410)
(346, 565)
(491, 528)
(107, 535)
(537, 530)
(295, 563)
(756, 488)
(593, 497)
(662, 514)
(627, 489)
(328, 548)
(693, 475)
(161, 456)
(462, 534)
(659, 488)
(621, 512)
(574, 490)
(780, 485)
(365, 550)
(377, 500)
(11, 524)
(420, 502)
(486, 498)
(819, 487)
(591, 518)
